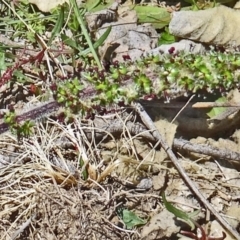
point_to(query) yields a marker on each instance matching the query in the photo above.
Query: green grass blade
(59, 23)
(70, 42)
(85, 32)
(99, 42)
(95, 4)
(177, 212)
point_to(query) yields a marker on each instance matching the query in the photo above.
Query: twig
(225, 154)
(174, 104)
(41, 111)
(149, 123)
(185, 105)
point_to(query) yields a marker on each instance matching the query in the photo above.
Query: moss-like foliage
(91, 89)
(129, 81)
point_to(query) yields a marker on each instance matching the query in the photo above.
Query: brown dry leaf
(118, 35)
(92, 173)
(160, 225)
(47, 5)
(216, 231)
(144, 150)
(234, 214)
(159, 180)
(168, 131)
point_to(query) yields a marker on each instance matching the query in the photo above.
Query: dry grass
(45, 194)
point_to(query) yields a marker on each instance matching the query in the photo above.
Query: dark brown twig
(181, 144)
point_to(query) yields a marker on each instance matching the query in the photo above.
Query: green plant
(129, 218)
(90, 87)
(159, 17)
(26, 22)
(21, 130)
(166, 37)
(84, 171)
(79, 17)
(188, 218)
(68, 92)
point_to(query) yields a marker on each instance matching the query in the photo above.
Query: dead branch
(181, 144)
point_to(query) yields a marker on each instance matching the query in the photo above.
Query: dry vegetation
(75, 178)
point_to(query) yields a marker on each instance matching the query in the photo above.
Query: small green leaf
(80, 18)
(73, 24)
(217, 110)
(115, 74)
(202, 68)
(10, 118)
(102, 87)
(123, 70)
(90, 5)
(166, 37)
(2, 61)
(61, 99)
(20, 76)
(70, 42)
(61, 91)
(96, 5)
(159, 17)
(130, 219)
(25, 129)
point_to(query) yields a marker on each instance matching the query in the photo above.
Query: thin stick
(174, 104)
(226, 154)
(190, 99)
(149, 124)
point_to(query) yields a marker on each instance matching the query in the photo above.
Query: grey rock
(183, 45)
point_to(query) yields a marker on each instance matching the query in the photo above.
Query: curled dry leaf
(217, 26)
